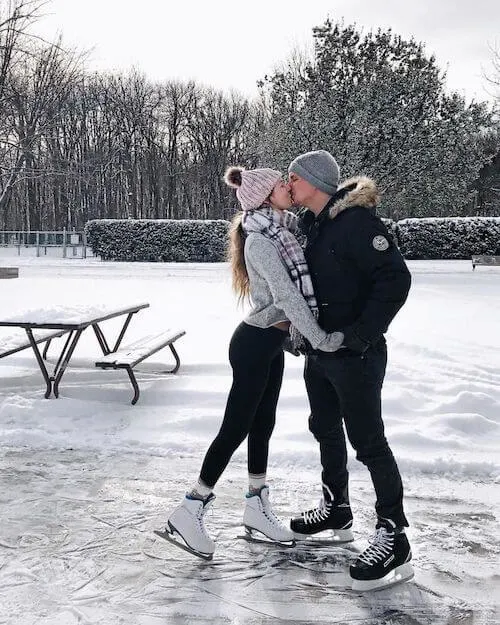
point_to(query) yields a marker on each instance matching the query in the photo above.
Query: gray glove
(332, 342)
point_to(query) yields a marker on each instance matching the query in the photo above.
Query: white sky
(231, 45)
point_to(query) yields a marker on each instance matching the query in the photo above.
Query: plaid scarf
(278, 226)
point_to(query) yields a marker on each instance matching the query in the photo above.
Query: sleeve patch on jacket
(380, 243)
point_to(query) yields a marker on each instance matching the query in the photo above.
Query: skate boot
(329, 515)
(186, 529)
(259, 518)
(386, 561)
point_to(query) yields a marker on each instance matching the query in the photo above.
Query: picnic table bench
(9, 272)
(44, 325)
(17, 342)
(485, 260)
(128, 357)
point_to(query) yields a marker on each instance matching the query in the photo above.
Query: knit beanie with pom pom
(253, 186)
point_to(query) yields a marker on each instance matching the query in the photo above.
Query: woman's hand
(332, 342)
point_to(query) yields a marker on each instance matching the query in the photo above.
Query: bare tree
(215, 127)
(35, 93)
(79, 146)
(493, 77)
(177, 104)
(16, 17)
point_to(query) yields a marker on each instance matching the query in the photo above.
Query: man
(360, 281)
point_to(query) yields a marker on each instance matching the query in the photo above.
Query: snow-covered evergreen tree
(379, 104)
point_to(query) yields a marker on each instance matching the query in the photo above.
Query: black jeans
(256, 356)
(346, 387)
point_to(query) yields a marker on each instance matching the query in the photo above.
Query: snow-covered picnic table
(63, 320)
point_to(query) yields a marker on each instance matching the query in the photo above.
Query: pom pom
(232, 177)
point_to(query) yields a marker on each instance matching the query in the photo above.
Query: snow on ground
(84, 479)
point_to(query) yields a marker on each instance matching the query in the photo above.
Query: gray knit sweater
(274, 295)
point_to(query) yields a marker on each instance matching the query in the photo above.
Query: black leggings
(256, 356)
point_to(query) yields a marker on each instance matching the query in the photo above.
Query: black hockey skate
(336, 517)
(385, 562)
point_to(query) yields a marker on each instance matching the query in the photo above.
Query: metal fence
(70, 244)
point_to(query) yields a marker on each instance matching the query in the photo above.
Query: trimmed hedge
(436, 238)
(189, 240)
(158, 240)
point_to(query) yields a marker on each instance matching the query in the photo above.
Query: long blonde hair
(236, 256)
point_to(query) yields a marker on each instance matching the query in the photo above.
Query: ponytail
(236, 255)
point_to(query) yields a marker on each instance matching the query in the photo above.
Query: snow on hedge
(158, 240)
(434, 238)
(189, 240)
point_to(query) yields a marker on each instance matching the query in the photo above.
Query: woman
(268, 267)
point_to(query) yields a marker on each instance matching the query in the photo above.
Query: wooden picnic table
(73, 321)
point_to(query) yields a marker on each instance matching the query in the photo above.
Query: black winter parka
(359, 276)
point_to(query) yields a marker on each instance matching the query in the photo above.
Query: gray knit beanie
(319, 168)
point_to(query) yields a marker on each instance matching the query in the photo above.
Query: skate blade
(399, 575)
(178, 542)
(252, 535)
(336, 537)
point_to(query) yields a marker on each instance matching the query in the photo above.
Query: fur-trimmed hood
(357, 191)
